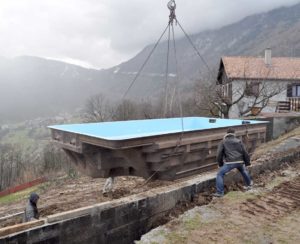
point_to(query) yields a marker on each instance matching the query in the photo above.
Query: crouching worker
(108, 186)
(31, 210)
(231, 154)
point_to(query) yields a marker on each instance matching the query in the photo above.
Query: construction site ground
(271, 210)
(62, 194)
(269, 213)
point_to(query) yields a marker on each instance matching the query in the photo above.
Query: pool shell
(164, 147)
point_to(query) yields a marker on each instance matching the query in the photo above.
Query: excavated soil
(281, 200)
(273, 217)
(261, 182)
(66, 194)
(270, 213)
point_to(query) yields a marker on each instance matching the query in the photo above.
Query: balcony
(294, 103)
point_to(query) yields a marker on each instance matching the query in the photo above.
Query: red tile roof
(255, 68)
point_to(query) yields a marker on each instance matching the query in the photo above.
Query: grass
(192, 223)
(176, 238)
(22, 194)
(238, 196)
(271, 144)
(188, 225)
(275, 182)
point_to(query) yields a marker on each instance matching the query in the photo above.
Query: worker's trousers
(225, 169)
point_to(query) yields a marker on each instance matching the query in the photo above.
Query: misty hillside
(278, 29)
(33, 87)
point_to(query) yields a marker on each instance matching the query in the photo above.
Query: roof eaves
(260, 78)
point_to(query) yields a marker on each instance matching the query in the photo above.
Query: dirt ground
(62, 194)
(270, 213)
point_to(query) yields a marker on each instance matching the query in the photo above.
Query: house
(250, 85)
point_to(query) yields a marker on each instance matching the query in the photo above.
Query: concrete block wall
(284, 124)
(280, 125)
(125, 220)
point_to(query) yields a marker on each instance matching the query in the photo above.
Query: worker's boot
(218, 194)
(248, 188)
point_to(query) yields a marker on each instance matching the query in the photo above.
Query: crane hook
(172, 6)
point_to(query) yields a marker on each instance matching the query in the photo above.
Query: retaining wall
(280, 125)
(127, 219)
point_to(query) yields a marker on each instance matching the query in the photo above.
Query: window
(227, 90)
(293, 90)
(296, 91)
(252, 89)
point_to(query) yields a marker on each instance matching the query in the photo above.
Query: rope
(247, 137)
(172, 17)
(172, 7)
(146, 61)
(195, 48)
(166, 75)
(177, 81)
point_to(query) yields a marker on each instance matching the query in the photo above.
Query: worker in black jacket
(31, 210)
(231, 154)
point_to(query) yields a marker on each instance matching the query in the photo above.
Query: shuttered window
(289, 90)
(293, 90)
(252, 89)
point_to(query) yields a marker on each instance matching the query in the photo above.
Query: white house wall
(238, 86)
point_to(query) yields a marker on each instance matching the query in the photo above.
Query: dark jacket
(231, 149)
(31, 210)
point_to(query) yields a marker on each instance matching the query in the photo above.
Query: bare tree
(207, 101)
(11, 165)
(260, 99)
(127, 110)
(98, 108)
(149, 110)
(55, 160)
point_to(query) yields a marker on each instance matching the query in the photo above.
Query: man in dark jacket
(31, 210)
(231, 154)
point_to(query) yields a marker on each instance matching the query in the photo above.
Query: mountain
(32, 86)
(278, 29)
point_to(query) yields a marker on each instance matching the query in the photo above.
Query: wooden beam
(20, 227)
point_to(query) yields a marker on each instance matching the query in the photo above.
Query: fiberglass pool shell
(132, 129)
(172, 147)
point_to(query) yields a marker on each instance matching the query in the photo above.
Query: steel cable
(147, 59)
(165, 110)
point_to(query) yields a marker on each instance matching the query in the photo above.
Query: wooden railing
(294, 103)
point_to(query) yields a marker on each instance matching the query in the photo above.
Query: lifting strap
(172, 19)
(170, 27)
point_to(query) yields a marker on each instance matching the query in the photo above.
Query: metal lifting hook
(172, 6)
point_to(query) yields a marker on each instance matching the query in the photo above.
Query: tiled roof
(255, 68)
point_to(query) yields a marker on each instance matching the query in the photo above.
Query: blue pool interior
(122, 130)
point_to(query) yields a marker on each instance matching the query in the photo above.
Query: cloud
(103, 33)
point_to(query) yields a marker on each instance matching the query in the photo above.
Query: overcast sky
(104, 33)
